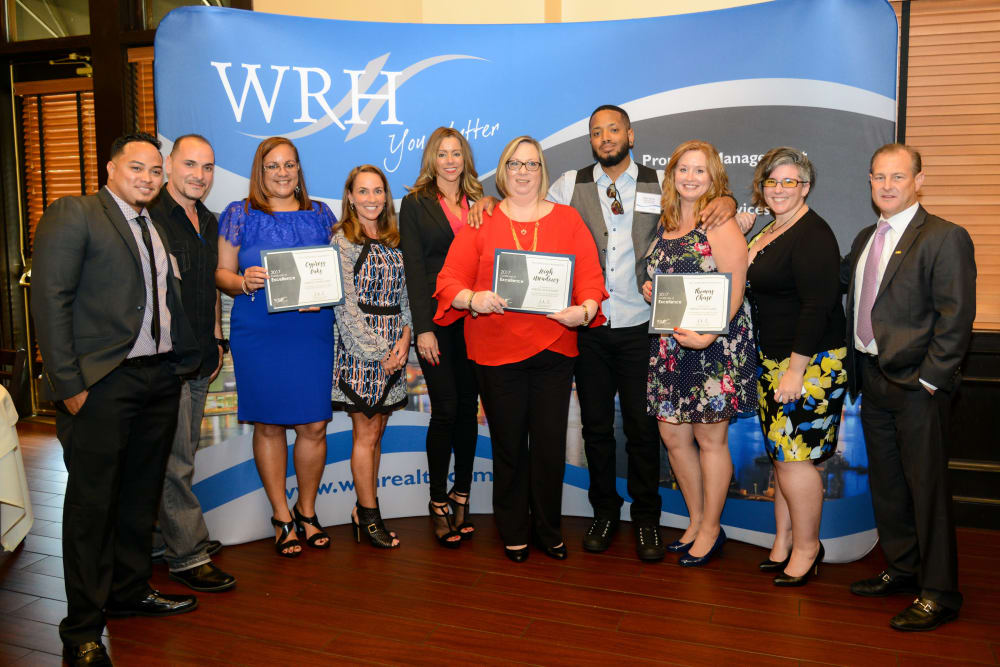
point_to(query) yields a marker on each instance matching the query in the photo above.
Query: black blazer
(424, 236)
(88, 294)
(926, 303)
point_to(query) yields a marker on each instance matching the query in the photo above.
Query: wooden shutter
(58, 140)
(953, 119)
(143, 105)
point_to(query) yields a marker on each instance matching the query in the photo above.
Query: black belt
(143, 362)
(372, 309)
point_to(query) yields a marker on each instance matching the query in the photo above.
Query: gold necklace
(513, 232)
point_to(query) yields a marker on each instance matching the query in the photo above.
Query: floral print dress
(699, 386)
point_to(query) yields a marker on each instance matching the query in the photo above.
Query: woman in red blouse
(524, 361)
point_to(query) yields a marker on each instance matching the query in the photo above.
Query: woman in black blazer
(429, 217)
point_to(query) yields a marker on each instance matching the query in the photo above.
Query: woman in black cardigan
(794, 283)
(429, 217)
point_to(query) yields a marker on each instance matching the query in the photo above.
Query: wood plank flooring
(423, 604)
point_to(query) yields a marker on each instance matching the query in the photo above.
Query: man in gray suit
(911, 301)
(114, 340)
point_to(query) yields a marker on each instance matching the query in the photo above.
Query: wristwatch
(224, 344)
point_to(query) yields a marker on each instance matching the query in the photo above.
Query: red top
(494, 339)
(456, 222)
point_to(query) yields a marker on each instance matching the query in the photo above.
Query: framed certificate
(533, 282)
(695, 301)
(302, 277)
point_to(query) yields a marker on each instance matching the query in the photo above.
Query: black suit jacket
(926, 303)
(424, 236)
(88, 294)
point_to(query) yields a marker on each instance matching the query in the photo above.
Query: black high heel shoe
(517, 555)
(370, 519)
(280, 543)
(300, 529)
(774, 565)
(461, 512)
(788, 580)
(441, 519)
(687, 560)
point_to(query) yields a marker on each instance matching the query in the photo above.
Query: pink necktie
(869, 285)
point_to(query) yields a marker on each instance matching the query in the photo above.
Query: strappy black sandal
(370, 523)
(441, 520)
(281, 544)
(300, 529)
(461, 510)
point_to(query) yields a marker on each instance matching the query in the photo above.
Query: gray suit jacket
(926, 303)
(88, 295)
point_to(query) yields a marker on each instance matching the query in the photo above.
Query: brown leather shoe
(923, 614)
(88, 654)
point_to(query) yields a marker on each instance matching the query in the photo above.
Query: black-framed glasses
(785, 182)
(616, 201)
(291, 165)
(530, 165)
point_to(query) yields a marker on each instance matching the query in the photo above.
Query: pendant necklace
(524, 232)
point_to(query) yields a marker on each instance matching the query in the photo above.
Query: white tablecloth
(16, 516)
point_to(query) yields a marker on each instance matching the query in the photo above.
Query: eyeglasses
(291, 165)
(530, 165)
(785, 182)
(617, 207)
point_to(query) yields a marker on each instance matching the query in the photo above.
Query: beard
(612, 159)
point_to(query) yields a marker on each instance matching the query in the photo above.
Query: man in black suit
(911, 301)
(114, 340)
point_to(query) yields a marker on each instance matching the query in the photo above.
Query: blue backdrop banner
(815, 74)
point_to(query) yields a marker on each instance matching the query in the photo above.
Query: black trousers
(527, 407)
(115, 449)
(454, 394)
(616, 361)
(905, 431)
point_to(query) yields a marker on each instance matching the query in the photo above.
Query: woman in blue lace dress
(373, 335)
(698, 382)
(283, 361)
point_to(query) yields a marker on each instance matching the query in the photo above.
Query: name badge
(647, 202)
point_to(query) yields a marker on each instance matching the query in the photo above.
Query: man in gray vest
(620, 202)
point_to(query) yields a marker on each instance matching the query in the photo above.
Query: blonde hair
(426, 184)
(670, 203)
(350, 224)
(501, 175)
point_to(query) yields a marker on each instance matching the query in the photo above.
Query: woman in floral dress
(698, 382)
(372, 336)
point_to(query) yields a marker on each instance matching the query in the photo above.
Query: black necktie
(148, 241)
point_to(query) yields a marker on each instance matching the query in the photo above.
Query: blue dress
(283, 361)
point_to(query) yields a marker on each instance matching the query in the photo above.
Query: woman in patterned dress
(372, 335)
(795, 288)
(698, 382)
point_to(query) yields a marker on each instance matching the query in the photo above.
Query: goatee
(612, 159)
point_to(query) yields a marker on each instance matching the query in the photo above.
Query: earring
(298, 189)
(351, 203)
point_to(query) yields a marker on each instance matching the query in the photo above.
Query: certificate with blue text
(698, 302)
(304, 277)
(533, 282)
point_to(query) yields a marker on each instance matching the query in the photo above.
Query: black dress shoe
(155, 604)
(649, 543)
(213, 547)
(600, 534)
(559, 552)
(517, 555)
(884, 584)
(923, 614)
(769, 565)
(205, 578)
(91, 654)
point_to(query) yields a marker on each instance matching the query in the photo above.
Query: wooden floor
(422, 604)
